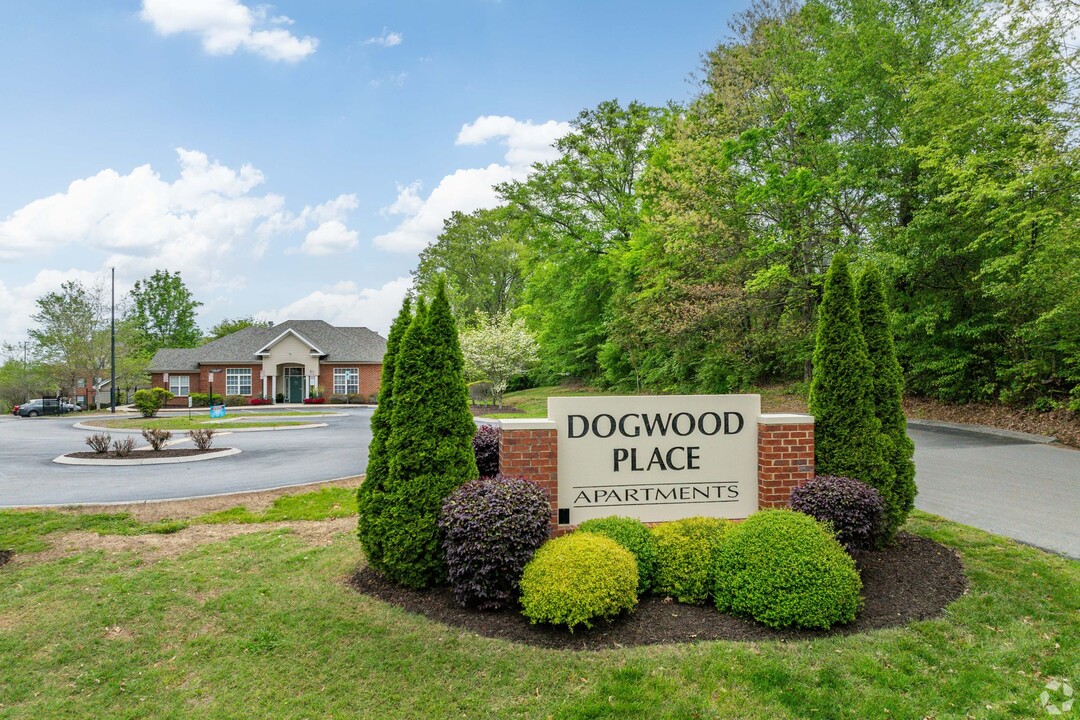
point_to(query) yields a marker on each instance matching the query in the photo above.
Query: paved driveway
(269, 459)
(1006, 485)
(1010, 486)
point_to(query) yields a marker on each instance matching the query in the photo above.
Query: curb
(224, 452)
(985, 430)
(308, 426)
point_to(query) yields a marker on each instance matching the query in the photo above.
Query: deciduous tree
(163, 309)
(497, 348)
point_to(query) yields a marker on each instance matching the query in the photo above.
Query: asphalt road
(1006, 485)
(268, 459)
(1026, 490)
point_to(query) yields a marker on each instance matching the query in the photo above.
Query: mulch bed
(482, 410)
(913, 580)
(144, 454)
(5, 555)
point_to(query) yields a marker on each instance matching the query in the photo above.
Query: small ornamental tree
(371, 496)
(847, 433)
(430, 445)
(497, 349)
(888, 391)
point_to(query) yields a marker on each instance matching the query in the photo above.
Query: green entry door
(296, 388)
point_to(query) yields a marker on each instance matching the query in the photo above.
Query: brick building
(283, 363)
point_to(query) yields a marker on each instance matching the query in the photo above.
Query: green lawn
(263, 625)
(534, 401)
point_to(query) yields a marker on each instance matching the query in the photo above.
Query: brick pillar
(529, 449)
(785, 457)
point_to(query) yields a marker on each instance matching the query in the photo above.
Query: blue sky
(291, 160)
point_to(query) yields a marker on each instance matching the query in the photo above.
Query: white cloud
(387, 39)
(206, 211)
(469, 189)
(329, 238)
(344, 305)
(18, 303)
(209, 224)
(397, 79)
(226, 26)
(526, 143)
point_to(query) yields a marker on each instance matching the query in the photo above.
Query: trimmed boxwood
(633, 535)
(785, 569)
(686, 552)
(490, 529)
(578, 578)
(854, 510)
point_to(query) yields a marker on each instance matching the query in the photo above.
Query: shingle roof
(341, 344)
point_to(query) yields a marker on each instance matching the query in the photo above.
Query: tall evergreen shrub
(430, 445)
(847, 433)
(371, 496)
(888, 389)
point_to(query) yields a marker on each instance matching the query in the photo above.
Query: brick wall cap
(527, 424)
(785, 419)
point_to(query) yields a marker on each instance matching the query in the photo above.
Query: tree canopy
(163, 310)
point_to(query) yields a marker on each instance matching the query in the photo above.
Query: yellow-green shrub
(633, 535)
(783, 569)
(577, 578)
(686, 552)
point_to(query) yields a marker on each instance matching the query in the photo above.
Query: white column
(264, 383)
(273, 388)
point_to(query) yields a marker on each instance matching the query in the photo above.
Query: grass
(533, 402)
(26, 531)
(263, 625)
(183, 423)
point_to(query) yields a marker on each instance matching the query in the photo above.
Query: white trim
(785, 419)
(187, 381)
(265, 349)
(354, 372)
(239, 374)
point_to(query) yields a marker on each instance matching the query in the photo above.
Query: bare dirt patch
(1063, 425)
(913, 580)
(155, 547)
(154, 510)
(484, 410)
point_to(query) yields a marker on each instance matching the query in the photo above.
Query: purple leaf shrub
(855, 510)
(486, 446)
(490, 529)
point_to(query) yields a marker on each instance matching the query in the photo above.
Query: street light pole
(112, 377)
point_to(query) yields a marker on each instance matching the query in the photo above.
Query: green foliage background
(685, 248)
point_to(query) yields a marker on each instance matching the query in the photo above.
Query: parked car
(43, 406)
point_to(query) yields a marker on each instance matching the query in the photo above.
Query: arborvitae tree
(888, 388)
(371, 496)
(430, 445)
(847, 433)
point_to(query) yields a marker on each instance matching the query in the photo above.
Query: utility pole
(112, 377)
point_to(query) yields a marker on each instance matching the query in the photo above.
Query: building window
(237, 381)
(178, 385)
(346, 380)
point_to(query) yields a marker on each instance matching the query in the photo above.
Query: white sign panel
(656, 458)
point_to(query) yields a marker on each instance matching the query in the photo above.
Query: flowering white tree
(497, 348)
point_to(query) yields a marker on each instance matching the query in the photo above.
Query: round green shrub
(633, 535)
(577, 578)
(686, 552)
(784, 569)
